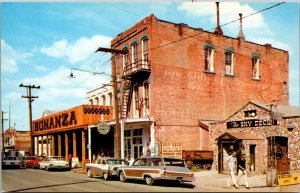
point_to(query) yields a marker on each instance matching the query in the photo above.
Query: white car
(105, 167)
(11, 162)
(54, 162)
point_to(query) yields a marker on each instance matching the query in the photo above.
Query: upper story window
(229, 58)
(103, 100)
(136, 97)
(117, 61)
(146, 94)
(134, 48)
(209, 50)
(125, 58)
(97, 100)
(110, 98)
(145, 50)
(255, 58)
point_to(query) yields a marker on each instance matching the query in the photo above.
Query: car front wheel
(149, 180)
(122, 177)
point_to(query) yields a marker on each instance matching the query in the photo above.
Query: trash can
(271, 177)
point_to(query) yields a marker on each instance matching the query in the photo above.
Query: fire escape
(132, 73)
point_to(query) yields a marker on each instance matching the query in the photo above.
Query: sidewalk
(207, 181)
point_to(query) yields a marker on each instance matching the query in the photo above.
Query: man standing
(70, 161)
(242, 171)
(231, 163)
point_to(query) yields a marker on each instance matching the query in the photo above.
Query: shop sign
(288, 179)
(103, 128)
(58, 121)
(251, 123)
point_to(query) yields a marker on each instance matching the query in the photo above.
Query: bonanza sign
(77, 117)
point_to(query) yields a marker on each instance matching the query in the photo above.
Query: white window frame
(255, 68)
(146, 108)
(134, 52)
(210, 57)
(145, 52)
(136, 101)
(231, 66)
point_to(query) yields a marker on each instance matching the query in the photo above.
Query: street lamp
(94, 73)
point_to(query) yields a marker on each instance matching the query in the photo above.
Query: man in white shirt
(231, 164)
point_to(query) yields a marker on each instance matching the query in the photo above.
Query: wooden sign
(77, 117)
(251, 123)
(173, 150)
(288, 179)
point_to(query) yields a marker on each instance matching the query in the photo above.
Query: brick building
(16, 140)
(267, 135)
(176, 79)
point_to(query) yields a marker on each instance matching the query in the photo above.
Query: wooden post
(74, 144)
(52, 145)
(42, 145)
(83, 147)
(47, 145)
(59, 144)
(37, 145)
(66, 146)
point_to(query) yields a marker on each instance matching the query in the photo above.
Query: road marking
(86, 190)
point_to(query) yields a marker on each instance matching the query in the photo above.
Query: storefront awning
(132, 120)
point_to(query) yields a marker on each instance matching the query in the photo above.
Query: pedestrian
(231, 164)
(70, 161)
(242, 171)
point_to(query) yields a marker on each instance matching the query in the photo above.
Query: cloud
(229, 11)
(10, 58)
(59, 91)
(78, 50)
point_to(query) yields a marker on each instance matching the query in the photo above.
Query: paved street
(29, 180)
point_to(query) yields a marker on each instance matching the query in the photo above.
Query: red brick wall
(181, 93)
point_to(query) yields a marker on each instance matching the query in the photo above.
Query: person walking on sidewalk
(231, 163)
(242, 171)
(70, 161)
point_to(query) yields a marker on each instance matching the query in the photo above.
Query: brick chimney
(241, 34)
(218, 31)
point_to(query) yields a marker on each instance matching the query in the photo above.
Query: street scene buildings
(181, 92)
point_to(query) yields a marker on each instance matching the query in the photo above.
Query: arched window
(134, 51)
(126, 66)
(136, 100)
(97, 100)
(110, 98)
(229, 58)
(255, 58)
(145, 52)
(103, 100)
(146, 95)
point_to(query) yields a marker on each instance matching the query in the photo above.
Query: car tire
(89, 174)
(46, 168)
(122, 177)
(105, 176)
(149, 180)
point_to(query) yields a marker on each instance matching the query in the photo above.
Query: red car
(34, 162)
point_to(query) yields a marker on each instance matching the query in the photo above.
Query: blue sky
(40, 42)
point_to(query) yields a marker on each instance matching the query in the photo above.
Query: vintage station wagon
(105, 167)
(156, 168)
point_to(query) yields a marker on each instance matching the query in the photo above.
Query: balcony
(138, 69)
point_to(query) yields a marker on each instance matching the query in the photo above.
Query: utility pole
(2, 125)
(30, 100)
(116, 108)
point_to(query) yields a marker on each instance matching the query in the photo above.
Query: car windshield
(10, 158)
(116, 162)
(174, 162)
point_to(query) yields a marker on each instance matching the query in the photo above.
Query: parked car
(105, 167)
(151, 169)
(26, 159)
(54, 162)
(34, 162)
(10, 161)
